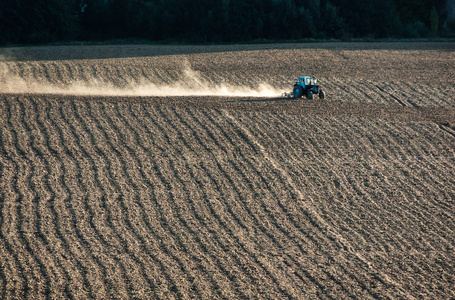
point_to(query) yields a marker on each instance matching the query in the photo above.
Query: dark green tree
(245, 21)
(331, 24)
(41, 21)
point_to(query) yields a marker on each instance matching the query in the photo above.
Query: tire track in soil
(351, 88)
(436, 96)
(186, 123)
(315, 239)
(285, 211)
(322, 163)
(382, 86)
(409, 91)
(252, 189)
(342, 151)
(447, 128)
(112, 130)
(333, 236)
(289, 152)
(368, 90)
(242, 175)
(423, 181)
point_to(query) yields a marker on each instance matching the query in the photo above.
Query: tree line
(44, 21)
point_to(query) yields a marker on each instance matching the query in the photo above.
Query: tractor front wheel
(310, 96)
(298, 92)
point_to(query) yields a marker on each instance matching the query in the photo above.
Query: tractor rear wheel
(321, 95)
(298, 92)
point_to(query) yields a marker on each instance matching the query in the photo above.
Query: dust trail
(188, 83)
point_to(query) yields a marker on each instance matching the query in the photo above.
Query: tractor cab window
(311, 81)
(302, 80)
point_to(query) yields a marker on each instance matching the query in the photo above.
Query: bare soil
(218, 197)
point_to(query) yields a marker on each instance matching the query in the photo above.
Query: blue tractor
(306, 86)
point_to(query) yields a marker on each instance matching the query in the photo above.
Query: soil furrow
(166, 203)
(209, 199)
(342, 151)
(68, 70)
(166, 131)
(269, 236)
(26, 204)
(72, 186)
(57, 73)
(45, 74)
(85, 192)
(181, 197)
(122, 186)
(144, 169)
(8, 219)
(3, 282)
(109, 197)
(121, 137)
(220, 185)
(55, 184)
(364, 87)
(45, 195)
(45, 209)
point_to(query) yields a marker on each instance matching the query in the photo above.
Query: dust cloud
(188, 83)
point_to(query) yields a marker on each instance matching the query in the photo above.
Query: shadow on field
(275, 99)
(82, 51)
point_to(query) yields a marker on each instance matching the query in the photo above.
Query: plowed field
(178, 172)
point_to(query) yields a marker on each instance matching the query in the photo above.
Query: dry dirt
(110, 189)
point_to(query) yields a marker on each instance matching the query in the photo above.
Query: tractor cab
(306, 81)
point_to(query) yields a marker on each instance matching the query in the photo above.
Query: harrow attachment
(287, 95)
